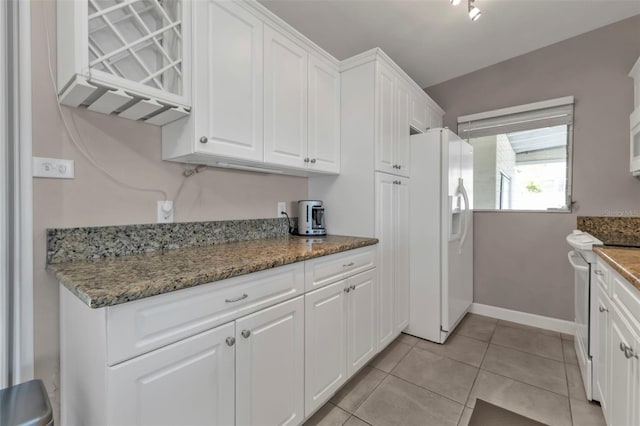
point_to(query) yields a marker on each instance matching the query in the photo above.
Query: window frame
(502, 112)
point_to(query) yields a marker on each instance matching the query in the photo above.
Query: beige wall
(521, 258)
(132, 152)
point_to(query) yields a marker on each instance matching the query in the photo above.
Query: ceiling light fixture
(474, 12)
(455, 2)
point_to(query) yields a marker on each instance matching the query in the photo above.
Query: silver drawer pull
(623, 347)
(603, 309)
(347, 290)
(597, 272)
(348, 264)
(237, 299)
(246, 334)
(352, 287)
(230, 341)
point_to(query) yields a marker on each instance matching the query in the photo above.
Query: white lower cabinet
(190, 382)
(618, 347)
(270, 365)
(277, 357)
(340, 335)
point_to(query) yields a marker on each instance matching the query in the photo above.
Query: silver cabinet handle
(236, 299)
(204, 139)
(230, 341)
(348, 264)
(598, 272)
(352, 287)
(306, 160)
(347, 290)
(399, 166)
(623, 347)
(601, 309)
(628, 353)
(246, 333)
(313, 160)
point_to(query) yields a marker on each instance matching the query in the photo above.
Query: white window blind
(537, 115)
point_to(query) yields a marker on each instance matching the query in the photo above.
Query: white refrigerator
(441, 233)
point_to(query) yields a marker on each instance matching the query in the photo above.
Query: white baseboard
(533, 320)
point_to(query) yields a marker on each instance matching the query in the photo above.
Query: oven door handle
(577, 267)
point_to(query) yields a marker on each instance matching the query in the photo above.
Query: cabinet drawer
(602, 275)
(328, 269)
(627, 297)
(138, 327)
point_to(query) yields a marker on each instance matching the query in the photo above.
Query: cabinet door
(190, 382)
(228, 80)
(624, 372)
(361, 321)
(385, 230)
(270, 365)
(385, 136)
(403, 130)
(324, 116)
(602, 345)
(419, 112)
(325, 343)
(401, 255)
(285, 100)
(435, 118)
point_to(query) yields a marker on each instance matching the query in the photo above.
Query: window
(522, 156)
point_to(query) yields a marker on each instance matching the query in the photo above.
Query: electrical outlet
(282, 207)
(165, 212)
(52, 168)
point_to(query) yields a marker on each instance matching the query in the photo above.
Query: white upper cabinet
(323, 146)
(419, 112)
(228, 86)
(403, 130)
(386, 133)
(129, 58)
(285, 100)
(265, 98)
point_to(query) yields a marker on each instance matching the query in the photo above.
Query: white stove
(581, 258)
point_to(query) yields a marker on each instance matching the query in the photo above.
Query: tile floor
(527, 370)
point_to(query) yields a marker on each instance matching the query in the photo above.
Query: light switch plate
(53, 168)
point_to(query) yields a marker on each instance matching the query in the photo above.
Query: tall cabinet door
(361, 322)
(228, 80)
(401, 254)
(285, 100)
(270, 365)
(325, 343)
(324, 116)
(403, 129)
(385, 231)
(385, 133)
(147, 389)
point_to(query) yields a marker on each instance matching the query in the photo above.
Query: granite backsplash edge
(100, 242)
(612, 230)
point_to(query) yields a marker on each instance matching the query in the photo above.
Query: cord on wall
(81, 148)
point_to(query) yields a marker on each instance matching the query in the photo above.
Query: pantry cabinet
(392, 218)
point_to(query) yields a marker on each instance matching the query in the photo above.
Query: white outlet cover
(165, 211)
(53, 168)
(282, 207)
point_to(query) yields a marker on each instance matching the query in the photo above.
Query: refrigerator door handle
(465, 197)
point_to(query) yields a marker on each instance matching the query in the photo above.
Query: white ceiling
(434, 41)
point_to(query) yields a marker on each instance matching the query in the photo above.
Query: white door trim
(533, 320)
(16, 205)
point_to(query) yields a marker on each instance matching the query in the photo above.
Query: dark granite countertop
(625, 260)
(111, 281)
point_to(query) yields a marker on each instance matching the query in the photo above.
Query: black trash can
(26, 404)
